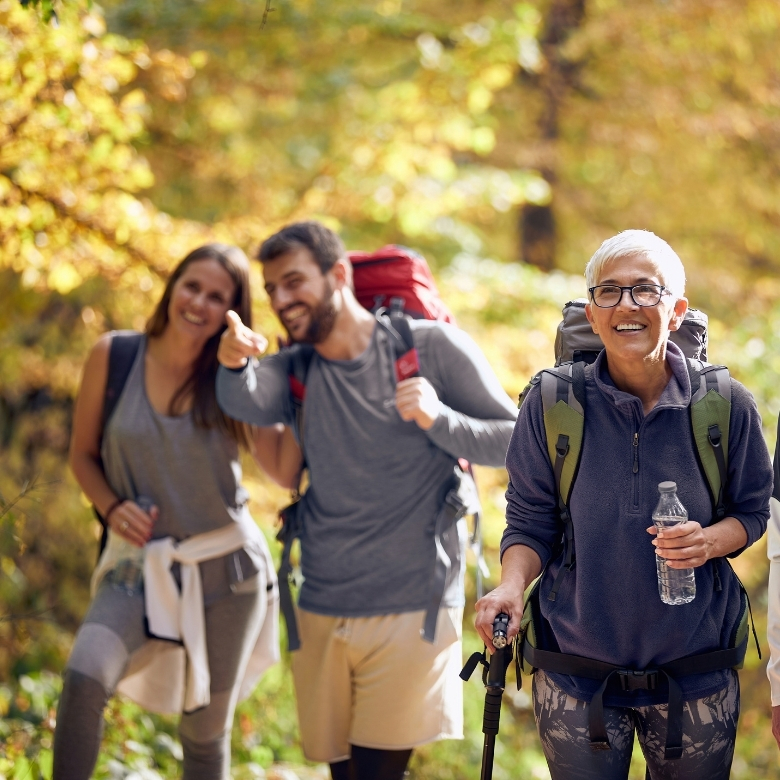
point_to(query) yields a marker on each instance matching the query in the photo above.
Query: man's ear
(342, 273)
(589, 315)
(678, 313)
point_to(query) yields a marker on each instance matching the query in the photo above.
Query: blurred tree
(555, 80)
(406, 120)
(674, 128)
(373, 115)
(80, 253)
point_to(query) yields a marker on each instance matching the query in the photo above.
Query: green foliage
(46, 8)
(381, 123)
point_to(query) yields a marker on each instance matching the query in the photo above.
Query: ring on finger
(124, 525)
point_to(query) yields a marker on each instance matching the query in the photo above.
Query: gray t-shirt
(376, 482)
(192, 474)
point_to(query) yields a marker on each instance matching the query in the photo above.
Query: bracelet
(112, 508)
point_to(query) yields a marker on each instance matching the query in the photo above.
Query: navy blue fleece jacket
(608, 607)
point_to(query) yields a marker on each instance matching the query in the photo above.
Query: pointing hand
(238, 343)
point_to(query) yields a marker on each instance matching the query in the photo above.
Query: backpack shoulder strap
(301, 356)
(563, 399)
(121, 356)
(710, 417)
(405, 355)
(563, 402)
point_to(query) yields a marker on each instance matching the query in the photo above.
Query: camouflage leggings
(709, 732)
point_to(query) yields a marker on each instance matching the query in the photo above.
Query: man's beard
(322, 319)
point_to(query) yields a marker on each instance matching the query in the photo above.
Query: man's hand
(684, 546)
(238, 343)
(416, 400)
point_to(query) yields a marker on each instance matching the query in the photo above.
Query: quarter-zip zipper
(635, 470)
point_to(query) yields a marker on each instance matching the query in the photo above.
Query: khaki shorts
(374, 682)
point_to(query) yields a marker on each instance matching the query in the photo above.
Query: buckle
(454, 500)
(714, 435)
(630, 680)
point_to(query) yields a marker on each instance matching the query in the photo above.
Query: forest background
(504, 140)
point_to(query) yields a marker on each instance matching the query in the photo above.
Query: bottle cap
(667, 487)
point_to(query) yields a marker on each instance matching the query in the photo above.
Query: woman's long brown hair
(201, 383)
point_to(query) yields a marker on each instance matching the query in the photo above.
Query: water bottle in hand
(676, 586)
(128, 574)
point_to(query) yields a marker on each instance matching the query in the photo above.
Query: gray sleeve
(476, 415)
(258, 394)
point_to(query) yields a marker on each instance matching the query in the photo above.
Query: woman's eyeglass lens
(605, 296)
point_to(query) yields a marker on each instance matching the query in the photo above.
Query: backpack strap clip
(451, 511)
(630, 680)
(645, 679)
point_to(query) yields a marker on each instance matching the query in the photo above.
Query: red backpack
(395, 272)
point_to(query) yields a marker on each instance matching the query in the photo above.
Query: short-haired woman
(637, 434)
(184, 559)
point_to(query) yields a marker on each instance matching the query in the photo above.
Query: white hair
(667, 264)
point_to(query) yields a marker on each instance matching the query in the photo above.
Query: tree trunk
(537, 221)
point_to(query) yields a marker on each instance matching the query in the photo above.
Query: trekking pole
(494, 678)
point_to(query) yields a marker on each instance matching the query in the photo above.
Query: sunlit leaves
(382, 109)
(70, 173)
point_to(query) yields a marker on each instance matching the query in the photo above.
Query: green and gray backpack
(563, 401)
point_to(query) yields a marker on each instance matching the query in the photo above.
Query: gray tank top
(192, 474)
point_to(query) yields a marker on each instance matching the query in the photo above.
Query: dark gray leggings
(111, 632)
(709, 733)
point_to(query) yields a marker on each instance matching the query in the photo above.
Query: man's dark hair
(324, 244)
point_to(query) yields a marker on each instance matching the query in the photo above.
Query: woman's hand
(132, 523)
(520, 566)
(689, 545)
(684, 546)
(507, 598)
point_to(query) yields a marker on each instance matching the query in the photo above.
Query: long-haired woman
(184, 597)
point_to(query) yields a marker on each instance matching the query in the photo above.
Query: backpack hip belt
(636, 679)
(630, 679)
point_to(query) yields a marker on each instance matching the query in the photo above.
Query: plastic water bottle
(128, 574)
(676, 586)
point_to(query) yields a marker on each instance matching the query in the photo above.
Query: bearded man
(381, 457)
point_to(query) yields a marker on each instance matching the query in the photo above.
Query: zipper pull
(636, 453)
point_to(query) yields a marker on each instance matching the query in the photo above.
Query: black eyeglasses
(605, 296)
